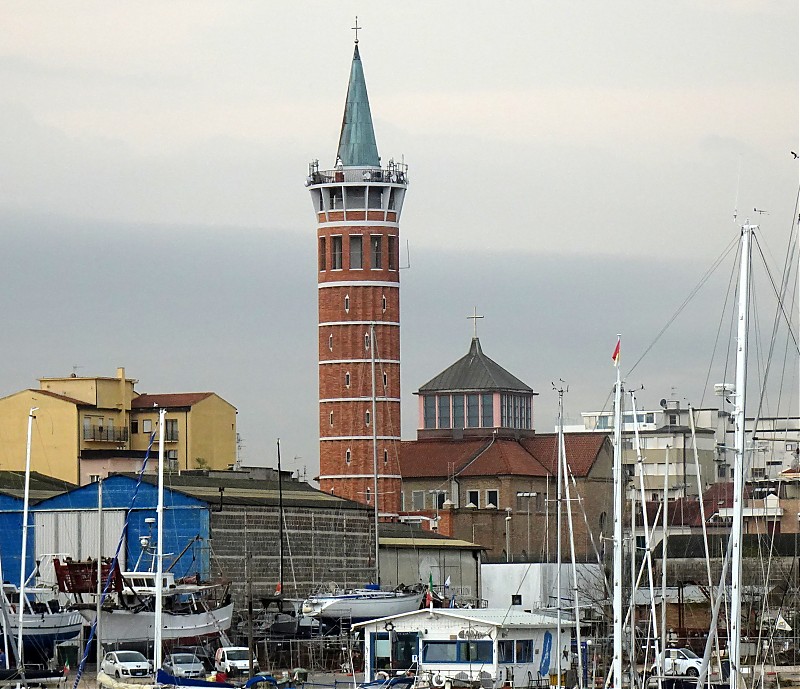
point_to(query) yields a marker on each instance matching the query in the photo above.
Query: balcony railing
(108, 434)
(396, 173)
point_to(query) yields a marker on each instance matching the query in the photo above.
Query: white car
(183, 665)
(122, 664)
(677, 661)
(234, 660)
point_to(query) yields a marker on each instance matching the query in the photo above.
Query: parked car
(183, 665)
(233, 660)
(202, 653)
(121, 664)
(677, 661)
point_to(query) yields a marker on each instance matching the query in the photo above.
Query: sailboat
(369, 602)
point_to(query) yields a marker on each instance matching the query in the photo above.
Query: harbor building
(478, 471)
(357, 206)
(87, 427)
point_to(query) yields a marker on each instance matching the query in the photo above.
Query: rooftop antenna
(75, 368)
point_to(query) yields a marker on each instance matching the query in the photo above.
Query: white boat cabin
(453, 647)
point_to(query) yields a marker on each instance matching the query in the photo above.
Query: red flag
(615, 355)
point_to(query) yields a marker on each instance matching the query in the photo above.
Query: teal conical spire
(357, 147)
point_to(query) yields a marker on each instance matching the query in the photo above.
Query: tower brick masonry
(357, 205)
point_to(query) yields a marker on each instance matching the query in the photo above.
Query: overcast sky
(574, 169)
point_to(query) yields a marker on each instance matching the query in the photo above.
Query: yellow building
(86, 428)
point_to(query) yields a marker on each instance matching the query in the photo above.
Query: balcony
(105, 434)
(395, 173)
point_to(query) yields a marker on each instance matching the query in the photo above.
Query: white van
(234, 660)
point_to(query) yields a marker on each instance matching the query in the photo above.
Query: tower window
(323, 247)
(472, 411)
(355, 197)
(383, 304)
(376, 246)
(336, 252)
(366, 340)
(331, 418)
(386, 456)
(356, 243)
(366, 417)
(392, 252)
(458, 411)
(347, 455)
(374, 197)
(337, 198)
(385, 380)
(347, 379)
(347, 304)
(487, 411)
(330, 342)
(368, 494)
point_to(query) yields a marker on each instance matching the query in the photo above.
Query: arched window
(386, 456)
(347, 379)
(385, 380)
(330, 342)
(366, 340)
(331, 418)
(347, 303)
(366, 417)
(368, 494)
(383, 304)
(347, 455)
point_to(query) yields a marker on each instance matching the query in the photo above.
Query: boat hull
(43, 631)
(361, 606)
(124, 625)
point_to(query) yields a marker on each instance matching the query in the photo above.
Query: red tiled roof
(504, 458)
(428, 458)
(582, 450)
(535, 456)
(170, 399)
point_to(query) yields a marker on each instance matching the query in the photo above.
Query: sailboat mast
(280, 522)
(739, 444)
(559, 495)
(375, 454)
(24, 553)
(159, 543)
(616, 676)
(99, 602)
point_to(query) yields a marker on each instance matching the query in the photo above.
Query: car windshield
(239, 654)
(689, 653)
(131, 657)
(184, 659)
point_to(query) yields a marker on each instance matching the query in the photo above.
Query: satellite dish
(663, 403)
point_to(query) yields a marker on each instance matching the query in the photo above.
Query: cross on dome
(474, 318)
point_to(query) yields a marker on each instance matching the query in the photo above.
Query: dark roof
(475, 371)
(537, 456)
(243, 490)
(170, 399)
(12, 483)
(357, 146)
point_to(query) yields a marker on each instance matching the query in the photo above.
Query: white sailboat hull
(359, 606)
(46, 629)
(125, 625)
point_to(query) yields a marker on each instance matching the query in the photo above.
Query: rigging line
(706, 276)
(779, 294)
(728, 292)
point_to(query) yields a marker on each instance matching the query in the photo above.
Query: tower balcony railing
(395, 173)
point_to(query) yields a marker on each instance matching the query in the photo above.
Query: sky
(574, 169)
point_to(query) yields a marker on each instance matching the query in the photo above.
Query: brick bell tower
(357, 206)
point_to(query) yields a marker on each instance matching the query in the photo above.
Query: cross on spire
(356, 28)
(475, 318)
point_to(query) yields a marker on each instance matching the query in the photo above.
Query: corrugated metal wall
(75, 534)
